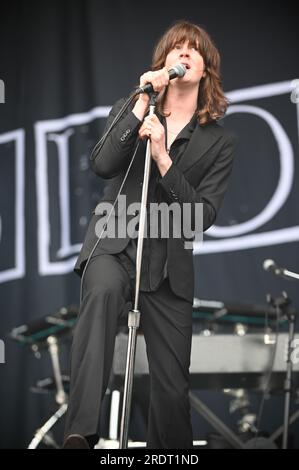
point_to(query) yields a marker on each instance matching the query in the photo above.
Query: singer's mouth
(186, 65)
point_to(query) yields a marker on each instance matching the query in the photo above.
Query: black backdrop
(63, 63)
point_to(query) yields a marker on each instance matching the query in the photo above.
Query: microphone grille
(180, 69)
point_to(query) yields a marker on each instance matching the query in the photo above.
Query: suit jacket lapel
(201, 140)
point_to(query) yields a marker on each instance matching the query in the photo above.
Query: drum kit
(210, 318)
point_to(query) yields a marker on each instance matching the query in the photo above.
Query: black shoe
(75, 441)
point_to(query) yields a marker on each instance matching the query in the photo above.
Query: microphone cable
(101, 142)
(97, 148)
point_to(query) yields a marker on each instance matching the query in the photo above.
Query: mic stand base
(133, 324)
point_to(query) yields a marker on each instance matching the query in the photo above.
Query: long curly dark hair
(212, 103)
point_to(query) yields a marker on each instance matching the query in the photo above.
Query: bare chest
(173, 130)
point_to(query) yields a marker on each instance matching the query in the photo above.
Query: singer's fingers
(151, 118)
(144, 131)
(144, 135)
(160, 81)
(153, 129)
(147, 124)
(158, 78)
(146, 78)
(152, 123)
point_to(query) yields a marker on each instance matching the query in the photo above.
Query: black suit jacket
(201, 175)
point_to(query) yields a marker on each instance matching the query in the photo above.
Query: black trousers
(166, 321)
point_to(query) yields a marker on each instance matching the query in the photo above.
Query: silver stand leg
(41, 433)
(134, 314)
(60, 396)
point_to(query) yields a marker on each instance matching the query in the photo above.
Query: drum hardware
(61, 398)
(42, 434)
(46, 334)
(241, 403)
(207, 332)
(50, 441)
(269, 336)
(36, 339)
(34, 348)
(35, 334)
(48, 385)
(240, 399)
(247, 423)
(240, 329)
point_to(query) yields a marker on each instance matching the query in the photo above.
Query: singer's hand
(159, 79)
(153, 129)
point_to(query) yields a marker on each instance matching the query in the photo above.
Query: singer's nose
(185, 50)
(184, 53)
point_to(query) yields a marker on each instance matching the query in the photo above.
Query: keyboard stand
(215, 422)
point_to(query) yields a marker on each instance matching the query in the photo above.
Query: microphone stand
(134, 314)
(282, 306)
(290, 274)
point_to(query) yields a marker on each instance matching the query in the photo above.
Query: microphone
(270, 266)
(177, 70)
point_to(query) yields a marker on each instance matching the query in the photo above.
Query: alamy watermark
(2, 91)
(184, 221)
(2, 352)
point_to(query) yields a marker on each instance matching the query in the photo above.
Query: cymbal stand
(61, 397)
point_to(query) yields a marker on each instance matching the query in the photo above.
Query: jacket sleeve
(210, 189)
(117, 149)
